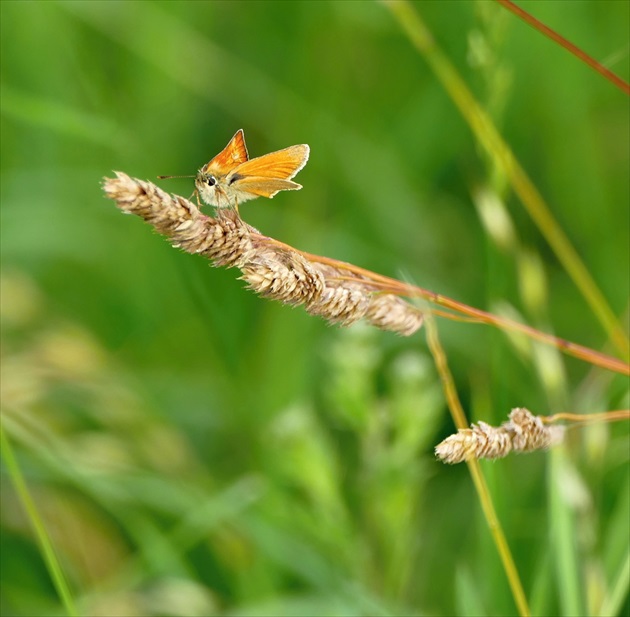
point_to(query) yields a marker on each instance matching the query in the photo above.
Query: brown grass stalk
(340, 292)
(604, 416)
(523, 432)
(570, 47)
(272, 269)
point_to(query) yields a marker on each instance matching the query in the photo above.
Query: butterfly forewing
(234, 154)
(283, 164)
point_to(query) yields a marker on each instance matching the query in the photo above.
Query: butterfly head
(209, 187)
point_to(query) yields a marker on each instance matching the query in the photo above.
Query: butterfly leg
(229, 204)
(195, 193)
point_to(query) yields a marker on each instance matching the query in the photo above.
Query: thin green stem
(563, 534)
(619, 590)
(48, 552)
(459, 417)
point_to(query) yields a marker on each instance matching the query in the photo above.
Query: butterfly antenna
(168, 177)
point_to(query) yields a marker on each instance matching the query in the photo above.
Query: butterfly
(232, 178)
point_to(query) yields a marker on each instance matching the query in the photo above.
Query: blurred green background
(196, 450)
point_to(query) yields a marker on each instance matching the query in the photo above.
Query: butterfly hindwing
(264, 187)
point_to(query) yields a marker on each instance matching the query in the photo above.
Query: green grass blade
(48, 552)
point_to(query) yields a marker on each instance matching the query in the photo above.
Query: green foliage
(194, 450)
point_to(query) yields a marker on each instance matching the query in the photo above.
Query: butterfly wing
(281, 165)
(259, 186)
(234, 154)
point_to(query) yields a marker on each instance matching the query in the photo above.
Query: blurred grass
(507, 165)
(195, 450)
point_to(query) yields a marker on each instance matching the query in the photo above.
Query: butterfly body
(231, 177)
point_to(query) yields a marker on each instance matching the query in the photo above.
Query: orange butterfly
(231, 178)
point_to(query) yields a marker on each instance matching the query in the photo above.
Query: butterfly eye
(211, 181)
